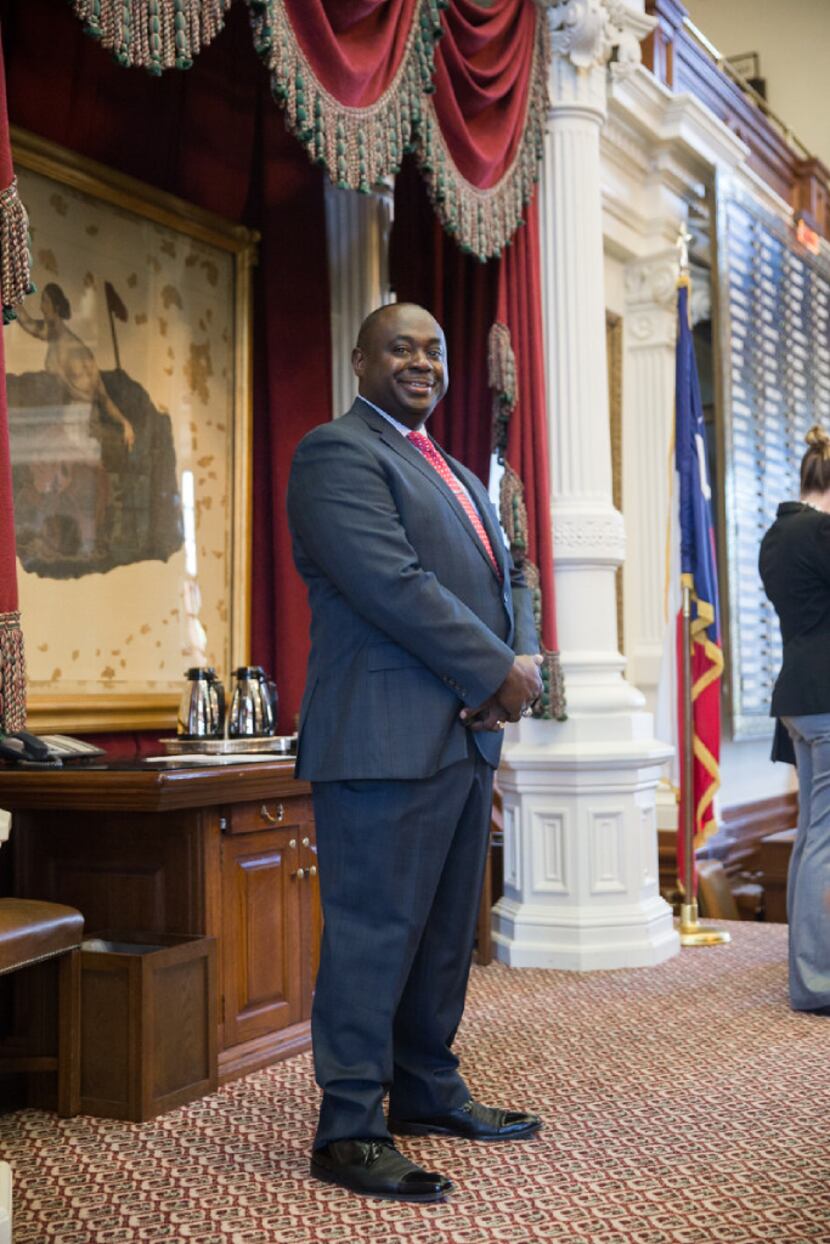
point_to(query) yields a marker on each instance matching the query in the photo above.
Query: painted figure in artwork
(71, 360)
(93, 460)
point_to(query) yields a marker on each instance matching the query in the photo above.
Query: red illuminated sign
(808, 237)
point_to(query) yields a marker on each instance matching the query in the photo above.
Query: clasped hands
(520, 689)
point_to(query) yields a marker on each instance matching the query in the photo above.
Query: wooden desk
(226, 851)
(776, 850)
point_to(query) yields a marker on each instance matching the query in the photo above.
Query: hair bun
(819, 440)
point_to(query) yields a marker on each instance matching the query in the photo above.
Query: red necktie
(425, 447)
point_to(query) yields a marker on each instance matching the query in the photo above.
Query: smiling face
(401, 362)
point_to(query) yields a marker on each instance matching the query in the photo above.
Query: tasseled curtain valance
(480, 143)
(364, 81)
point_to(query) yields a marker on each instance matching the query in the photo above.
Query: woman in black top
(795, 569)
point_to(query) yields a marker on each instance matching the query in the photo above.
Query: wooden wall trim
(679, 62)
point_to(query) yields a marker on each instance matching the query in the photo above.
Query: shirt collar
(400, 427)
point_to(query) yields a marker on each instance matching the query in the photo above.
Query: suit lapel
(401, 446)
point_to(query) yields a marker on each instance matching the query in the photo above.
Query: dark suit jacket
(795, 568)
(409, 620)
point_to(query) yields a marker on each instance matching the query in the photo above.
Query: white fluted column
(580, 872)
(357, 233)
(649, 333)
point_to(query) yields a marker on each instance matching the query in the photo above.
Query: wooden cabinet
(261, 969)
(224, 851)
(266, 983)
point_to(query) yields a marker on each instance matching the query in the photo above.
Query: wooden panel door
(261, 926)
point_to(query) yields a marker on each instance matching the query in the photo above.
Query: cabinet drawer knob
(293, 844)
(273, 818)
(299, 874)
(306, 842)
(312, 872)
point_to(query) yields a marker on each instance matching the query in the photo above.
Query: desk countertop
(141, 787)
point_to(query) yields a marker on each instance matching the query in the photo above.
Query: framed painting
(129, 389)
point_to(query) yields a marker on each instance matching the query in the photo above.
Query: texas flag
(691, 560)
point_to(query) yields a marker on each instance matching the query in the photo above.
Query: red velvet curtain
(520, 308)
(482, 80)
(292, 394)
(427, 267)
(354, 48)
(214, 136)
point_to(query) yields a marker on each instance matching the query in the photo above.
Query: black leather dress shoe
(472, 1121)
(375, 1168)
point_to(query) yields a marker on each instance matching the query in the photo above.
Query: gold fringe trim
(12, 674)
(359, 147)
(484, 221)
(153, 34)
(501, 374)
(15, 255)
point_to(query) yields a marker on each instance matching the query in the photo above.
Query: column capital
(651, 301)
(593, 33)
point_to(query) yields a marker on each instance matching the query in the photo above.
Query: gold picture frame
(129, 385)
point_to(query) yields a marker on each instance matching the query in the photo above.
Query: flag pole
(692, 933)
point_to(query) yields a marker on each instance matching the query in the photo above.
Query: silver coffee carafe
(253, 711)
(202, 706)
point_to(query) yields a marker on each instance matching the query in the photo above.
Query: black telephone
(46, 751)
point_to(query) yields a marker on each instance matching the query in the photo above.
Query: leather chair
(720, 899)
(30, 933)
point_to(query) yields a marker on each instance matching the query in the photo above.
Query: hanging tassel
(501, 377)
(484, 221)
(359, 147)
(12, 674)
(153, 34)
(15, 257)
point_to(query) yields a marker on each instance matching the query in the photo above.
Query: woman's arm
(35, 328)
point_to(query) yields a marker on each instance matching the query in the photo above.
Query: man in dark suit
(417, 619)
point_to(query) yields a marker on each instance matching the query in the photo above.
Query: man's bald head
(376, 319)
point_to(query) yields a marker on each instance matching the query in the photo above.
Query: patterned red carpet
(685, 1104)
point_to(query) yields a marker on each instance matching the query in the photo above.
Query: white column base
(581, 889)
(583, 941)
(5, 1203)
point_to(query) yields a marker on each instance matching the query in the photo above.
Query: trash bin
(148, 1023)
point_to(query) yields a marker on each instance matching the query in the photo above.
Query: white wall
(747, 773)
(793, 42)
